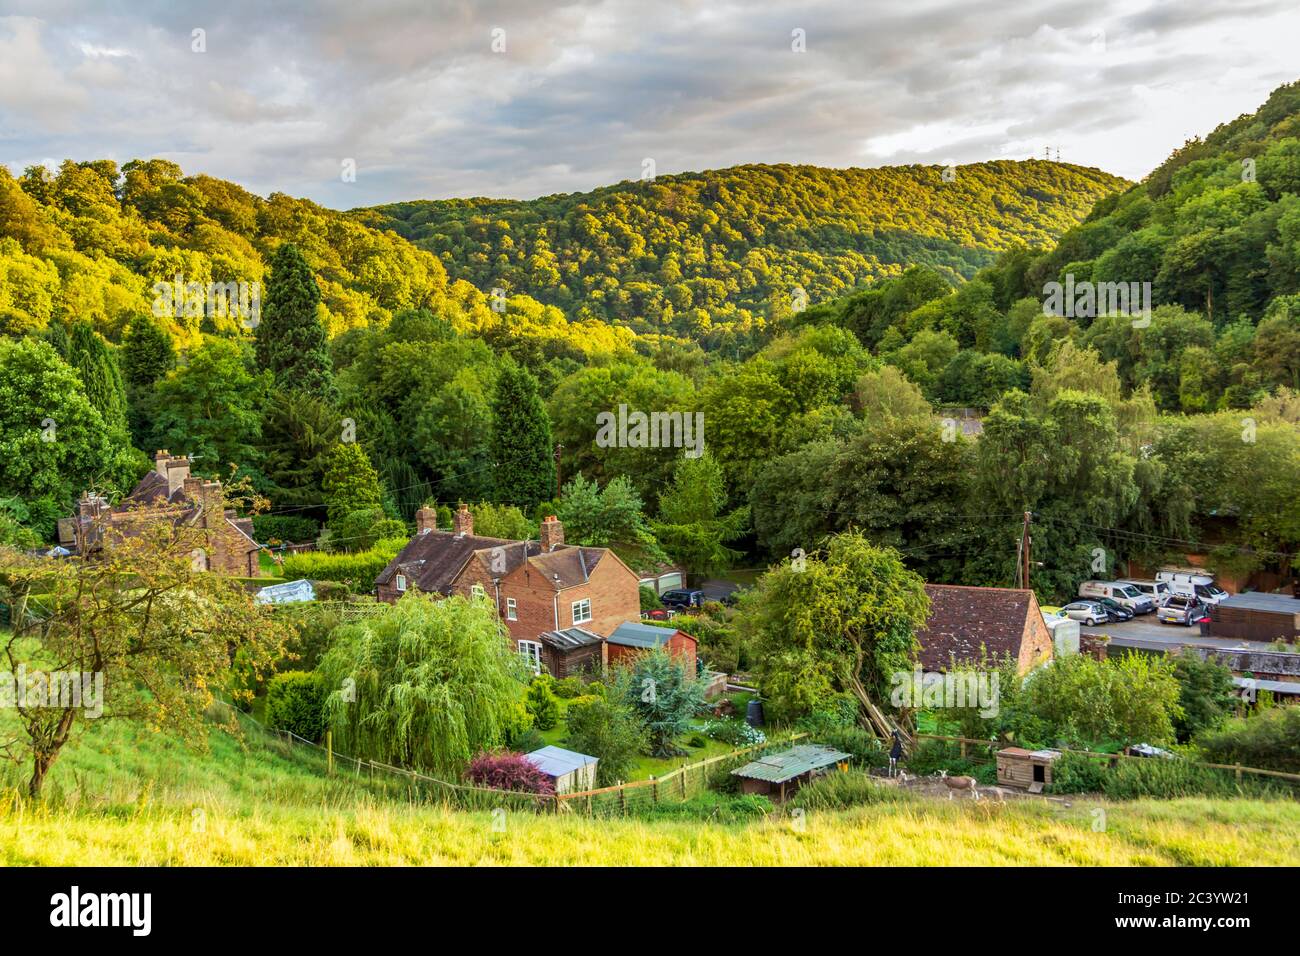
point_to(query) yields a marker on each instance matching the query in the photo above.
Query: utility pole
(1026, 541)
(558, 485)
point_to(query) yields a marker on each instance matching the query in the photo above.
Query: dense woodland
(711, 255)
(1141, 441)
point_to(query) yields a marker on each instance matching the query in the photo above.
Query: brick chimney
(91, 506)
(426, 519)
(551, 534)
(208, 495)
(160, 459)
(463, 523)
(178, 469)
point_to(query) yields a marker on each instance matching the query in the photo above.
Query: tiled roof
(432, 560)
(964, 618)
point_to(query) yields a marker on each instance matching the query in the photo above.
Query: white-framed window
(581, 611)
(477, 591)
(400, 582)
(531, 652)
(512, 612)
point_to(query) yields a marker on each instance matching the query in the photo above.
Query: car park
(1181, 609)
(1192, 582)
(1088, 612)
(1157, 591)
(1115, 611)
(1125, 594)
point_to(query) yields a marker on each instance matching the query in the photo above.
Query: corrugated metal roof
(556, 761)
(788, 764)
(570, 637)
(630, 634)
(1262, 601)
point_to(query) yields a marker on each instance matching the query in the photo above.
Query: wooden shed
(781, 774)
(1026, 769)
(1256, 617)
(569, 770)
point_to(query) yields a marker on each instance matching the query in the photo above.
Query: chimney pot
(551, 535)
(426, 519)
(464, 520)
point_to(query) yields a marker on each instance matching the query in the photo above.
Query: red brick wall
(1036, 641)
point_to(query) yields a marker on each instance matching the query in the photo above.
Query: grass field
(125, 796)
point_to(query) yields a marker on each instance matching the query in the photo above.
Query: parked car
(1191, 581)
(1091, 613)
(1116, 611)
(1157, 591)
(1051, 611)
(1181, 609)
(1124, 594)
(681, 598)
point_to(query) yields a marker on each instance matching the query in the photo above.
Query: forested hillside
(379, 379)
(705, 254)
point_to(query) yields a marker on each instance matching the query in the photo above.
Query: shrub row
(357, 570)
(291, 528)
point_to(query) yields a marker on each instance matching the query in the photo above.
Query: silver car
(1088, 612)
(1181, 609)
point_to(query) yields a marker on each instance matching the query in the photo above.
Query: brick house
(169, 493)
(538, 587)
(1005, 621)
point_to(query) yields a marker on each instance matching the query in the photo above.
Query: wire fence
(984, 752)
(643, 796)
(397, 783)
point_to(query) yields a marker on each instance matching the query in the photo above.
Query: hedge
(295, 701)
(291, 528)
(357, 570)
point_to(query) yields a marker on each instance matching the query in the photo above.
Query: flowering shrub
(503, 770)
(737, 733)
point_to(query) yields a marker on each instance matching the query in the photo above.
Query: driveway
(1146, 631)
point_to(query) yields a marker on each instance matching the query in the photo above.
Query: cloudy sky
(513, 98)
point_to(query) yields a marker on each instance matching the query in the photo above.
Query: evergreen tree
(351, 483)
(290, 339)
(521, 440)
(147, 352)
(95, 362)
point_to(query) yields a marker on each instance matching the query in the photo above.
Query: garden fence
(985, 752)
(415, 787)
(675, 786)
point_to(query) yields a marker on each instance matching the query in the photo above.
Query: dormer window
(400, 582)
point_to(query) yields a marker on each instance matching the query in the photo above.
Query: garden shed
(781, 774)
(569, 770)
(1026, 769)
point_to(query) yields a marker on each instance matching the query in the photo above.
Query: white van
(1190, 581)
(1158, 591)
(1125, 595)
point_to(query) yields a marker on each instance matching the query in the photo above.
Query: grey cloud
(412, 91)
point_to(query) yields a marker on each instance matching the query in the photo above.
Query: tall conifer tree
(521, 440)
(290, 340)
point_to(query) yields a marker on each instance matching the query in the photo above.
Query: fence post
(1238, 773)
(963, 748)
(654, 789)
(329, 752)
(622, 798)
(685, 771)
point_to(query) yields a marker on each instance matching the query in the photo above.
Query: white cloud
(413, 92)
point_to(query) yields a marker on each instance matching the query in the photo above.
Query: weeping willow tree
(426, 685)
